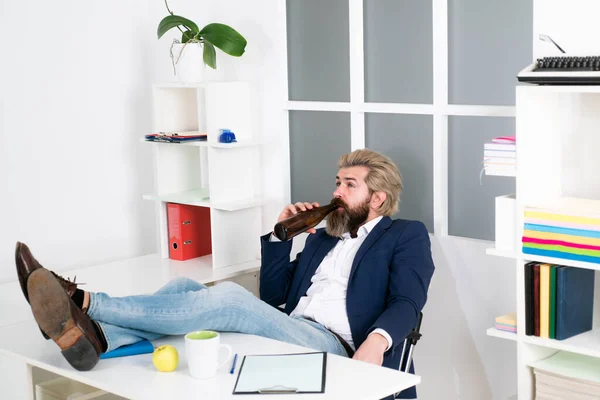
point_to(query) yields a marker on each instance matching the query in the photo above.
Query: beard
(349, 220)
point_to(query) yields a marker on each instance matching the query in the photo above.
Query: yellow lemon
(165, 358)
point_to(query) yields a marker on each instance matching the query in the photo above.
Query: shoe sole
(18, 262)
(55, 312)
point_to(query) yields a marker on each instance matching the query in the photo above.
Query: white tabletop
(135, 377)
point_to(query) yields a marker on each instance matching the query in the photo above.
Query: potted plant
(197, 46)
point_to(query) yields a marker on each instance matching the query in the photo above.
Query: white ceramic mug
(202, 351)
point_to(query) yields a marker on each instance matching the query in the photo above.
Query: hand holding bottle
(302, 217)
(292, 209)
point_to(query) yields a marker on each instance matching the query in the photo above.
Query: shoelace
(67, 284)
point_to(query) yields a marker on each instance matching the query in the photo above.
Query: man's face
(352, 191)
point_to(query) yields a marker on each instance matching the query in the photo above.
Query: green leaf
(187, 36)
(210, 55)
(172, 21)
(225, 38)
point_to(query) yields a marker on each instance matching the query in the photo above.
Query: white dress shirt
(325, 300)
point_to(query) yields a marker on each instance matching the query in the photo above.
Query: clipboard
(282, 374)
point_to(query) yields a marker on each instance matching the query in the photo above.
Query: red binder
(189, 231)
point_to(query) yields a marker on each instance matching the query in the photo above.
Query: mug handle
(229, 353)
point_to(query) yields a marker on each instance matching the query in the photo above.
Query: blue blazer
(387, 286)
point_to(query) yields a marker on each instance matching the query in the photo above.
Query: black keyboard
(563, 70)
(567, 64)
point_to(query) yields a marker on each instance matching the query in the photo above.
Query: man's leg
(117, 336)
(225, 307)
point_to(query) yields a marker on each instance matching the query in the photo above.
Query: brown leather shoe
(26, 264)
(58, 316)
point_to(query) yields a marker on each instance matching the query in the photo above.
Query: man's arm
(276, 270)
(411, 270)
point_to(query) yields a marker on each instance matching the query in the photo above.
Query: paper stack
(573, 234)
(507, 323)
(176, 137)
(567, 376)
(500, 156)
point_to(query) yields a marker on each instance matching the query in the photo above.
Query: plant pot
(188, 62)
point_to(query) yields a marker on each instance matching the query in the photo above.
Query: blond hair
(383, 176)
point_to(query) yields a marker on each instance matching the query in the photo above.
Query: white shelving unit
(224, 177)
(557, 162)
(501, 334)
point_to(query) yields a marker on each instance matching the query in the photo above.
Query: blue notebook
(141, 347)
(574, 301)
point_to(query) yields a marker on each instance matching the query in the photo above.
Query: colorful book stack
(507, 323)
(555, 234)
(499, 156)
(559, 300)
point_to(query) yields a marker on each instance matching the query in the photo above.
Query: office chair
(409, 343)
(407, 348)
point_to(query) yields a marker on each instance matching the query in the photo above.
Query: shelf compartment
(587, 343)
(559, 230)
(204, 143)
(200, 198)
(501, 334)
(560, 261)
(196, 197)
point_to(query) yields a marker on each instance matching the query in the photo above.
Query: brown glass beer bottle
(303, 221)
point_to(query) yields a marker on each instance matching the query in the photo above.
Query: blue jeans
(184, 305)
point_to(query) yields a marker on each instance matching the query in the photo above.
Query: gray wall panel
(471, 206)
(317, 140)
(408, 141)
(318, 50)
(398, 51)
(489, 43)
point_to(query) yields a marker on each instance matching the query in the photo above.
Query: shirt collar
(365, 229)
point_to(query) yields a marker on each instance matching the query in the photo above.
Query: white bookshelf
(200, 143)
(501, 334)
(224, 177)
(557, 162)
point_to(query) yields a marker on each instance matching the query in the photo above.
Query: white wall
(570, 24)
(75, 98)
(455, 357)
(75, 90)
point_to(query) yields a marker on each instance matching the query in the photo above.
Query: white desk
(135, 377)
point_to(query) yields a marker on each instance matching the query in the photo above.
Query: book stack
(567, 376)
(559, 235)
(507, 323)
(500, 156)
(559, 300)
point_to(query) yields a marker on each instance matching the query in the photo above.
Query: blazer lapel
(324, 247)
(372, 237)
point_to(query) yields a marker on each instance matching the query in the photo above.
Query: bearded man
(355, 290)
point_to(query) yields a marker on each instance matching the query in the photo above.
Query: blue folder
(141, 347)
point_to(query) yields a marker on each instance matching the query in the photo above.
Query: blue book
(574, 301)
(141, 347)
